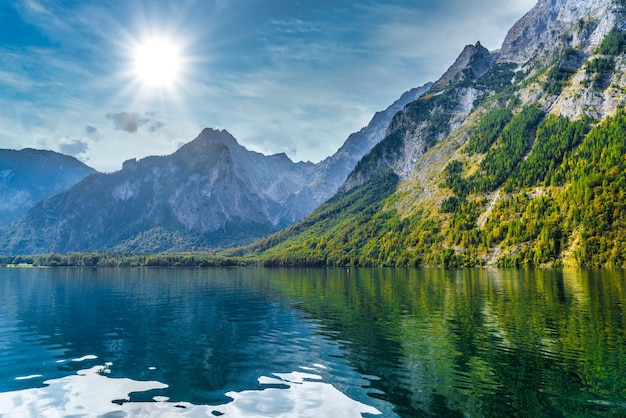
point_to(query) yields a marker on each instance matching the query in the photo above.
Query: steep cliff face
(331, 173)
(544, 58)
(560, 43)
(474, 61)
(551, 23)
(28, 176)
(274, 179)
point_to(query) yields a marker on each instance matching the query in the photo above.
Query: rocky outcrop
(429, 118)
(554, 23)
(473, 62)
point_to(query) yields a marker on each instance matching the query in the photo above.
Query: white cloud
(37, 7)
(16, 81)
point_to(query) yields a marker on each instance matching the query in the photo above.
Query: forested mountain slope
(515, 157)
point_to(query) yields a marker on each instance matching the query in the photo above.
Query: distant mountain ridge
(28, 176)
(211, 193)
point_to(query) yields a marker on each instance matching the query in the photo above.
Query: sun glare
(157, 62)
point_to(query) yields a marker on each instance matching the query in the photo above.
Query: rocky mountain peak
(208, 142)
(551, 23)
(474, 60)
(210, 135)
(281, 156)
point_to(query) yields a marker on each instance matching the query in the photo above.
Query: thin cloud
(441, 29)
(37, 7)
(294, 26)
(15, 81)
(155, 126)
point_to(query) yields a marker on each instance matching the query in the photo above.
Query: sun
(157, 62)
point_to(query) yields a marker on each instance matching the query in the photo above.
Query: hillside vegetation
(521, 185)
(562, 204)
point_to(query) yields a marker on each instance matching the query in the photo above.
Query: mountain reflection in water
(291, 342)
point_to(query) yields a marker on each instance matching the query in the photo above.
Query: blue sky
(282, 76)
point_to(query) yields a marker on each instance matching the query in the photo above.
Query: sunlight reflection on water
(91, 393)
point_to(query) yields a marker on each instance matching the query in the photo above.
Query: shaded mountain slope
(28, 176)
(331, 173)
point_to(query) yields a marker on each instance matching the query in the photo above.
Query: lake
(244, 342)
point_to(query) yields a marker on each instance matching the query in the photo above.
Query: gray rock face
(427, 119)
(211, 192)
(331, 173)
(541, 30)
(551, 27)
(28, 176)
(274, 179)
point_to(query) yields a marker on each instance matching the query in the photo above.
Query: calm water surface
(248, 342)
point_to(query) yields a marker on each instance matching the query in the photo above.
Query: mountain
(28, 176)
(513, 157)
(210, 193)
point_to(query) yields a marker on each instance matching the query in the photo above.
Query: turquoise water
(307, 342)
